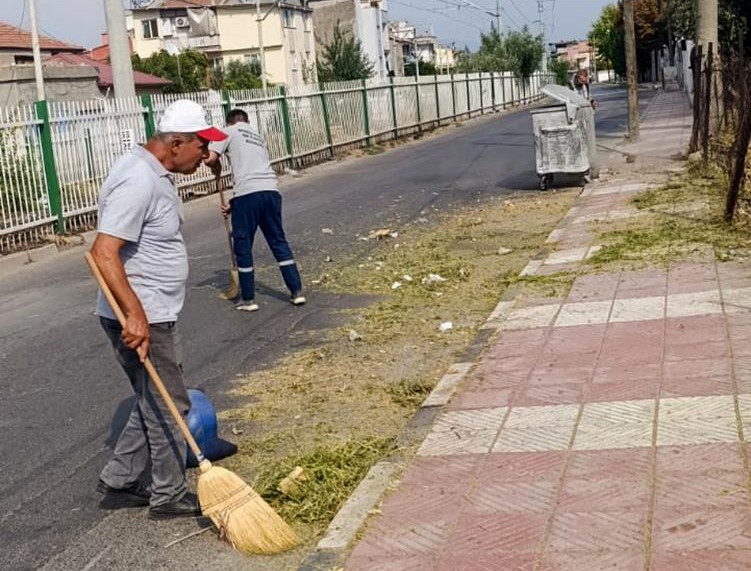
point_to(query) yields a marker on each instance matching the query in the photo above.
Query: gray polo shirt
(251, 168)
(139, 204)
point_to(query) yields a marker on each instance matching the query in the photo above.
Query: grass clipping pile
(317, 420)
(680, 219)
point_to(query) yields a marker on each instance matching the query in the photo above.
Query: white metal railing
(55, 156)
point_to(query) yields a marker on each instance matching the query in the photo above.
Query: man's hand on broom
(136, 334)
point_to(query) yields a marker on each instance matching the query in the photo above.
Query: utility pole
(498, 16)
(261, 54)
(38, 71)
(541, 13)
(707, 15)
(122, 68)
(633, 86)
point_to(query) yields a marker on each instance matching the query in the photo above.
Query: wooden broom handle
(220, 190)
(147, 363)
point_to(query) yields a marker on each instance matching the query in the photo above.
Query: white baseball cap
(185, 116)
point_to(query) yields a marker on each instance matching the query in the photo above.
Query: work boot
(187, 506)
(134, 495)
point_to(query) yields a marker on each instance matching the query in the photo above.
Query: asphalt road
(59, 382)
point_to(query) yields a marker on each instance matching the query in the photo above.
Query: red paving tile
(446, 471)
(496, 534)
(511, 498)
(694, 387)
(632, 463)
(699, 458)
(677, 370)
(632, 560)
(624, 374)
(701, 329)
(706, 350)
(387, 539)
(419, 504)
(486, 562)
(700, 529)
(695, 560)
(623, 390)
(619, 493)
(520, 467)
(472, 398)
(680, 490)
(557, 376)
(539, 395)
(597, 531)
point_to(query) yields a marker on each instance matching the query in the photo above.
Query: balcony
(203, 42)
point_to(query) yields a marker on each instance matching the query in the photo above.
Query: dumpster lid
(571, 99)
(565, 95)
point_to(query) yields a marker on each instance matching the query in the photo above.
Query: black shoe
(134, 495)
(187, 506)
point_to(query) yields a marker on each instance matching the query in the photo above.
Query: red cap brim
(212, 134)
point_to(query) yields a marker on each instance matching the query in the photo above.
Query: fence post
(469, 97)
(503, 90)
(226, 103)
(365, 111)
(393, 107)
(482, 103)
(492, 90)
(287, 126)
(50, 171)
(453, 97)
(437, 102)
(148, 115)
(326, 119)
(419, 103)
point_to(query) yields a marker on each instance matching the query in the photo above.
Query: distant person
(581, 83)
(256, 202)
(140, 252)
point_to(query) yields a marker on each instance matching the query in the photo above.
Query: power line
(452, 18)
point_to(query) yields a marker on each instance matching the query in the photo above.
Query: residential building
(15, 46)
(410, 43)
(227, 30)
(101, 53)
(578, 54)
(144, 82)
(445, 59)
(365, 20)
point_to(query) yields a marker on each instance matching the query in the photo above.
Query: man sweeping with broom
(139, 260)
(141, 255)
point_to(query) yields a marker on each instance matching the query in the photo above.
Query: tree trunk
(707, 30)
(633, 85)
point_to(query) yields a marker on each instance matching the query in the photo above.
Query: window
(289, 18)
(150, 29)
(24, 60)
(306, 22)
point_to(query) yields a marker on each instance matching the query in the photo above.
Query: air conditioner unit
(182, 22)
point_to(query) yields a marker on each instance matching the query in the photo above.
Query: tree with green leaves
(237, 75)
(608, 40)
(426, 68)
(524, 52)
(342, 59)
(188, 73)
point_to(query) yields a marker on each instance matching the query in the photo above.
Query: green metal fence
(55, 156)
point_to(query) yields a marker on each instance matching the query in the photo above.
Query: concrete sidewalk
(603, 430)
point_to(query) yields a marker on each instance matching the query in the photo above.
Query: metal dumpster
(564, 135)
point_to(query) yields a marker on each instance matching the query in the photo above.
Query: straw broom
(233, 289)
(242, 517)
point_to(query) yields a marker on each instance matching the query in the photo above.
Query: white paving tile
(458, 441)
(692, 304)
(638, 309)
(478, 419)
(531, 317)
(566, 256)
(554, 236)
(696, 420)
(618, 424)
(537, 428)
(531, 268)
(583, 313)
(499, 315)
(737, 300)
(442, 392)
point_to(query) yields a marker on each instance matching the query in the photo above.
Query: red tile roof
(105, 70)
(12, 37)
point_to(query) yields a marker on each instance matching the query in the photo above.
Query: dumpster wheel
(545, 181)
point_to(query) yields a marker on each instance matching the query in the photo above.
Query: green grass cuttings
(330, 475)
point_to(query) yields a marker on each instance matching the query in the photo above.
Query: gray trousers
(151, 433)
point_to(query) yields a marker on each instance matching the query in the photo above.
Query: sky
(82, 21)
